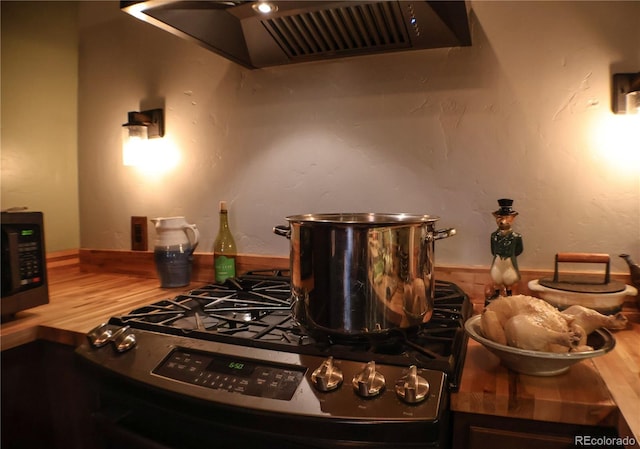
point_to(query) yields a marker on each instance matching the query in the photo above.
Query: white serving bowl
(605, 303)
(538, 363)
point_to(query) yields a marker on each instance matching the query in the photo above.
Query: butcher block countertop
(604, 391)
(600, 391)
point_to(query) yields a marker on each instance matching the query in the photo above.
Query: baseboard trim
(60, 259)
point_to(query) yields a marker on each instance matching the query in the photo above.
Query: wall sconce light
(140, 127)
(626, 93)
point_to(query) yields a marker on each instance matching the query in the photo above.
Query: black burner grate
(254, 310)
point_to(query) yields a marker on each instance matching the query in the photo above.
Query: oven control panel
(233, 374)
(278, 382)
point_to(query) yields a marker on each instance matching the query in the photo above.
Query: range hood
(303, 31)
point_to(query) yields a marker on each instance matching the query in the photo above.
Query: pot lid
(583, 283)
(367, 218)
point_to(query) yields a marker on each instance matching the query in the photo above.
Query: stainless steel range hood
(302, 31)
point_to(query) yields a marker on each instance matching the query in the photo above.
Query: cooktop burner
(254, 310)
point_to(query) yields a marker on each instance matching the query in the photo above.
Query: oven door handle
(110, 428)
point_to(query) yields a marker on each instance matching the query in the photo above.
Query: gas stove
(235, 349)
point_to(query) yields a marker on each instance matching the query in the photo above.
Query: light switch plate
(138, 233)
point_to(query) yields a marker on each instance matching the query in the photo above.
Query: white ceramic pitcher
(173, 250)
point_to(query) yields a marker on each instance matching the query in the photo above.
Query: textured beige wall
(523, 113)
(39, 115)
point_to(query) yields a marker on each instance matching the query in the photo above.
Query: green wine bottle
(224, 248)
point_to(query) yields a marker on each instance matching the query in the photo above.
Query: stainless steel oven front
(177, 392)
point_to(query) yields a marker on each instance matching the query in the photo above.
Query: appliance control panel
(30, 255)
(277, 381)
(23, 254)
(233, 374)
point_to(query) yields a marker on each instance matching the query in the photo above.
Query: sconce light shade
(140, 127)
(152, 119)
(625, 97)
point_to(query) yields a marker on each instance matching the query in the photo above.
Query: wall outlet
(139, 233)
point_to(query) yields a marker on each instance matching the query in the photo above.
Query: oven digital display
(231, 366)
(233, 374)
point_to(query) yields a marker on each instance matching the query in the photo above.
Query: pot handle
(443, 233)
(283, 231)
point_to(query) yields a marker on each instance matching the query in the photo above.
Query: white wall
(39, 115)
(523, 113)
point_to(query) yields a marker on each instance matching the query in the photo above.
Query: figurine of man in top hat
(506, 245)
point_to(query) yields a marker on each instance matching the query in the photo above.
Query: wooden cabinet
(471, 431)
(46, 401)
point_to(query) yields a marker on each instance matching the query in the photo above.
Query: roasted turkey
(526, 322)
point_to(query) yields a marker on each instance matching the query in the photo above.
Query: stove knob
(368, 382)
(327, 377)
(412, 388)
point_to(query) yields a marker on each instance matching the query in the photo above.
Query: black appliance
(226, 366)
(24, 270)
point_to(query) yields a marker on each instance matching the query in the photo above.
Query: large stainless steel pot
(355, 274)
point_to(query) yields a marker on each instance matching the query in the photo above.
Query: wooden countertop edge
(20, 337)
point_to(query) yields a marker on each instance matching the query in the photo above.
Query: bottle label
(225, 267)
